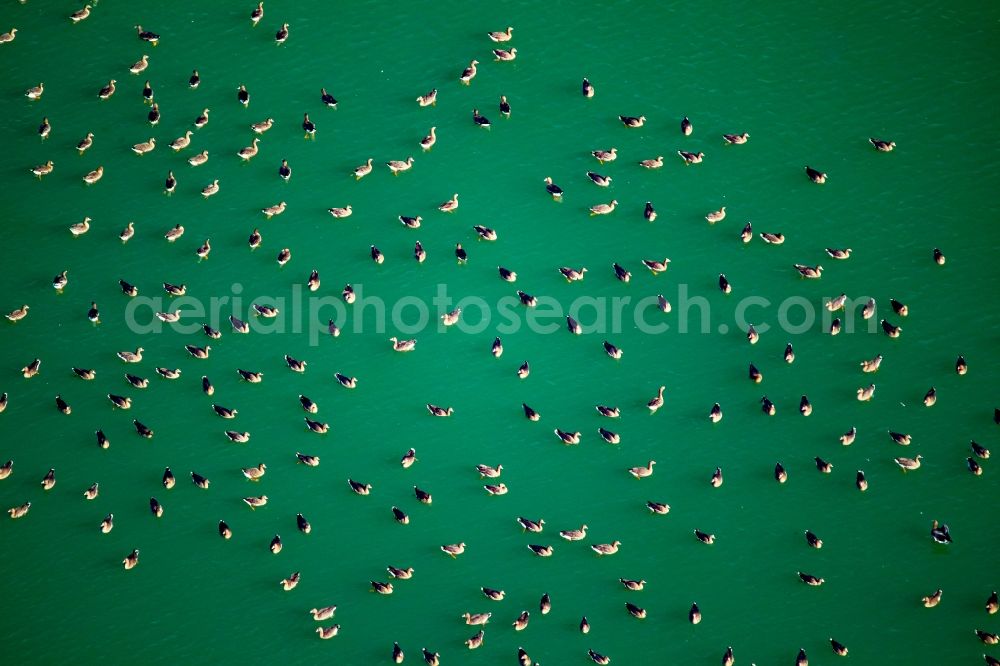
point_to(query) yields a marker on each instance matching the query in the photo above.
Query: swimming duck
(257, 14)
(485, 471)
(529, 525)
(882, 146)
(823, 466)
(574, 535)
(649, 212)
(258, 128)
(289, 583)
(284, 256)
(812, 272)
(809, 579)
(309, 127)
(31, 369)
(992, 604)
(837, 303)
(49, 480)
(871, 365)
(606, 548)
(605, 156)
(317, 426)
(507, 275)
(704, 537)
(612, 351)
(939, 257)
(805, 407)
(429, 99)
(652, 163)
(815, 176)
(376, 254)
(837, 253)
(147, 91)
(468, 74)
(835, 326)
(961, 367)
(18, 314)
(85, 143)
(303, 525)
(848, 437)
(716, 216)
(552, 188)
(813, 540)
(860, 481)
(656, 402)
(36, 92)
(908, 463)
(573, 325)
(8, 37)
(717, 479)
(736, 138)
(900, 438)
(147, 36)
(865, 393)
(246, 153)
(567, 437)
(868, 310)
(403, 345)
(254, 502)
(691, 158)
(890, 329)
(238, 437)
(479, 119)
(328, 632)
(173, 234)
(485, 233)
(979, 450)
(137, 382)
(450, 205)
(641, 472)
(168, 373)
(210, 190)
(746, 235)
(310, 461)
(194, 80)
(656, 266)
(715, 414)
(92, 492)
(501, 36)
(107, 91)
(42, 169)
(454, 549)
(780, 473)
(520, 624)
(599, 658)
(603, 209)
(932, 600)
(401, 574)
(724, 285)
(45, 128)
(201, 120)
(632, 121)
(94, 176)
(496, 489)
(530, 413)
(493, 595)
(169, 317)
(84, 373)
(131, 357)
(755, 375)
(144, 147)
(610, 412)
(243, 96)
(396, 166)
(251, 473)
(598, 179)
(527, 299)
(505, 55)
(224, 531)
(427, 142)
(504, 106)
(772, 238)
(132, 559)
(940, 533)
(282, 35)
(439, 411)
(686, 127)
(540, 550)
(431, 658)
(154, 114)
(120, 402)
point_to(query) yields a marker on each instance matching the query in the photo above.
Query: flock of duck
(939, 533)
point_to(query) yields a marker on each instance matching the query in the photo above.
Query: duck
(598, 179)
(308, 460)
(716, 216)
(460, 254)
(35, 93)
(900, 438)
(655, 265)
(84, 373)
(871, 365)
(567, 437)
(724, 286)
(868, 310)
(147, 92)
(449, 206)
(860, 481)
(339, 212)
(205, 248)
(45, 128)
(211, 189)
(530, 413)
(848, 437)
(169, 317)
(168, 373)
(132, 559)
(980, 451)
(505, 55)
(717, 479)
(453, 549)
(468, 74)
(780, 473)
(18, 314)
(174, 233)
(813, 540)
(772, 238)
(603, 209)
(137, 382)
(541, 550)
(865, 393)
(419, 253)
(85, 143)
(92, 492)
(992, 604)
(652, 163)
(810, 579)
(309, 127)
(746, 235)
(248, 152)
(805, 407)
(49, 480)
(31, 369)
(933, 599)
(811, 272)
(552, 188)
(238, 437)
(641, 472)
(43, 169)
(603, 156)
(397, 166)
(8, 37)
(736, 139)
(839, 253)
(529, 525)
(504, 106)
(431, 658)
(599, 658)
(612, 351)
(815, 176)
(632, 121)
(715, 414)
(254, 502)
(606, 548)
(487, 472)
(345, 381)
(836, 303)
(194, 80)
(377, 255)
(890, 329)
(303, 525)
(527, 299)
(439, 411)
(253, 473)
(506, 274)
(243, 96)
(257, 14)
(823, 466)
(170, 184)
(144, 147)
(430, 98)
(131, 357)
(496, 489)
(686, 127)
(521, 623)
(282, 35)
(154, 114)
(94, 176)
(147, 36)
(940, 533)
(480, 119)
(206, 386)
(348, 294)
(881, 145)
(400, 574)
(485, 233)
(610, 412)
(289, 583)
(501, 36)
(269, 212)
(961, 367)
(574, 535)
(428, 141)
(691, 158)
(120, 402)
(656, 402)
(410, 222)
(939, 257)
(328, 632)
(907, 464)
(403, 345)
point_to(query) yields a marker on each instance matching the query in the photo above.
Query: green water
(809, 82)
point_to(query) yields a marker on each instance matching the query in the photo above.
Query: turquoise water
(809, 83)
